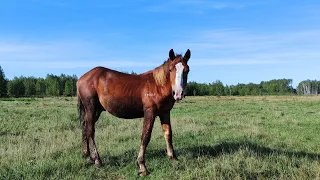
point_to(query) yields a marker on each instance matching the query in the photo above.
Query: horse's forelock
(160, 73)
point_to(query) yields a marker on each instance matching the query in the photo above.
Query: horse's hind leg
(92, 114)
(85, 142)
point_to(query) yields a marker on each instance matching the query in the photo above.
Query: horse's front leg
(167, 132)
(145, 139)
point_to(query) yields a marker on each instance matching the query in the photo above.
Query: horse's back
(118, 93)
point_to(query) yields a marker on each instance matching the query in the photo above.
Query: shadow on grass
(232, 147)
(211, 151)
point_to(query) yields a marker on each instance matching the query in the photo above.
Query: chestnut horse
(146, 95)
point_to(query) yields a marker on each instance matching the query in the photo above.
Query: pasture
(214, 137)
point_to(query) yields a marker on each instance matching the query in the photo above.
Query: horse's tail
(81, 111)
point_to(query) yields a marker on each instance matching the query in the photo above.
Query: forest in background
(65, 85)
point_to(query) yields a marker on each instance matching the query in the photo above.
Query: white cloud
(61, 55)
(208, 48)
(48, 50)
(77, 64)
(193, 6)
(208, 4)
(232, 62)
(235, 47)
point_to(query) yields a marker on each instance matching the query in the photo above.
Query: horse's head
(179, 70)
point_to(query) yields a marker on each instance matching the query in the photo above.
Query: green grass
(214, 137)
(18, 99)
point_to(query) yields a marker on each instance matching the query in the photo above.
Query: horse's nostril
(173, 93)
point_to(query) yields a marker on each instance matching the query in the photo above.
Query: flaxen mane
(160, 73)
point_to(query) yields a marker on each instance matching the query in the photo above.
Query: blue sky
(230, 40)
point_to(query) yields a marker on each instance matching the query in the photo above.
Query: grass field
(214, 137)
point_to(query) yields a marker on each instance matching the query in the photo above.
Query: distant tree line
(3, 84)
(217, 88)
(309, 87)
(65, 85)
(52, 85)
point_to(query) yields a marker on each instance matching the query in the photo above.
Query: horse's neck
(165, 89)
(160, 79)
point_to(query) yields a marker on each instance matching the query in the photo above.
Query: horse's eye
(170, 70)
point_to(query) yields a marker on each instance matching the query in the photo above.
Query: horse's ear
(172, 56)
(187, 55)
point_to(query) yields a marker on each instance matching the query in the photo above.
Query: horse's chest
(166, 106)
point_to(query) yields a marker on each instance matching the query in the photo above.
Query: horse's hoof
(85, 154)
(143, 173)
(174, 159)
(90, 160)
(97, 162)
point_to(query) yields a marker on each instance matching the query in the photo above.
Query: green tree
(68, 88)
(216, 89)
(308, 87)
(62, 81)
(40, 87)
(191, 89)
(30, 86)
(242, 89)
(74, 84)
(16, 87)
(3, 84)
(52, 85)
(203, 89)
(253, 89)
(277, 87)
(234, 90)
(227, 90)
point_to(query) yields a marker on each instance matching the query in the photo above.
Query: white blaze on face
(179, 82)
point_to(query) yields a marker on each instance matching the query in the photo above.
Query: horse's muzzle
(177, 95)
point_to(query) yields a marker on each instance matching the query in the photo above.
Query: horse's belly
(126, 113)
(125, 110)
